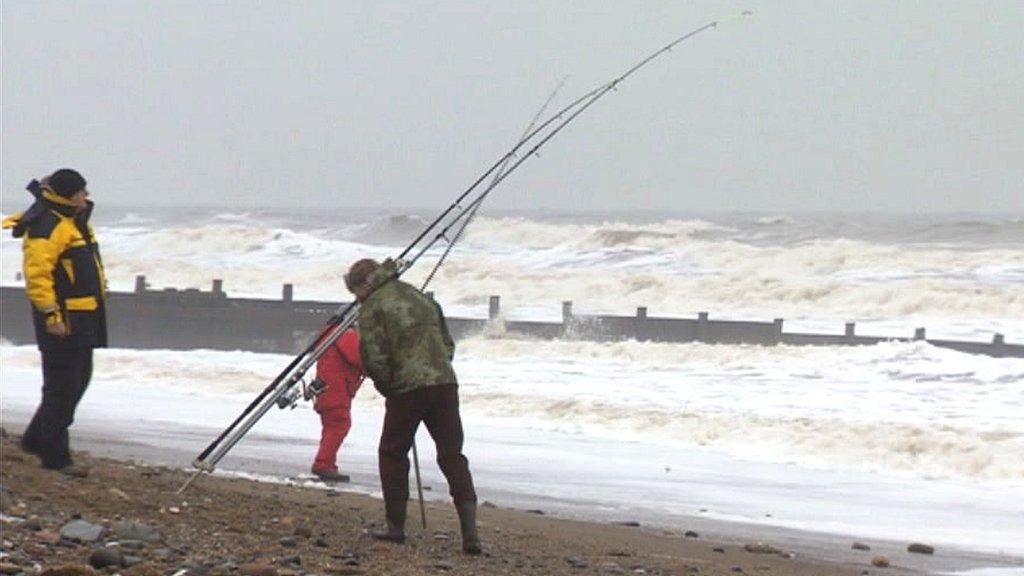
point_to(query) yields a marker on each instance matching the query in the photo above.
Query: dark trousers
(438, 408)
(66, 375)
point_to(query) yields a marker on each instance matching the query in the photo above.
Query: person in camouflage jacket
(407, 351)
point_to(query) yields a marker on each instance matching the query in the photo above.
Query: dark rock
(321, 542)
(294, 560)
(736, 568)
(692, 570)
(81, 531)
(443, 565)
(137, 531)
(629, 523)
(576, 562)
(719, 550)
(918, 548)
(488, 504)
(331, 493)
(860, 546)
(761, 548)
(32, 525)
(535, 511)
(691, 534)
(303, 532)
(103, 557)
(288, 542)
(620, 553)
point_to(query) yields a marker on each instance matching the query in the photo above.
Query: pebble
(288, 542)
(81, 531)
(103, 557)
(538, 512)
(32, 524)
(8, 568)
(443, 565)
(736, 568)
(629, 523)
(880, 562)
(321, 542)
(719, 550)
(691, 534)
(918, 548)
(576, 562)
(761, 548)
(303, 532)
(860, 546)
(130, 561)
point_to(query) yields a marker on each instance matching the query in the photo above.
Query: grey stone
(691, 534)
(130, 561)
(81, 531)
(443, 565)
(288, 542)
(860, 546)
(137, 531)
(32, 524)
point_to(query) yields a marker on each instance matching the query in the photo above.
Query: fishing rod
(282, 390)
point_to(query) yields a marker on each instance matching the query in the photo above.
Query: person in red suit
(341, 368)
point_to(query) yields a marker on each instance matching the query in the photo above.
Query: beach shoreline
(590, 536)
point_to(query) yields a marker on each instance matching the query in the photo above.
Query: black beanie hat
(66, 182)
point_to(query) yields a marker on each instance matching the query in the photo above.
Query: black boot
(394, 512)
(467, 520)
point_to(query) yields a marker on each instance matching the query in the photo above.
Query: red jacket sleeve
(348, 345)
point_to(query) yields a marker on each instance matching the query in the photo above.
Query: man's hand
(57, 329)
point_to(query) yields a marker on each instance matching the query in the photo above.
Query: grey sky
(908, 106)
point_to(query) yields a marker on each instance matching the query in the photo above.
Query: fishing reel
(308, 391)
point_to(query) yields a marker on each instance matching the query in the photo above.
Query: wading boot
(467, 520)
(394, 513)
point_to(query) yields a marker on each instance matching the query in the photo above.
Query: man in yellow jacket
(65, 285)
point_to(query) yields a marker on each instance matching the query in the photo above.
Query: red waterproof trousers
(341, 368)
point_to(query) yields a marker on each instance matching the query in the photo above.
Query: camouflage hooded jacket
(404, 340)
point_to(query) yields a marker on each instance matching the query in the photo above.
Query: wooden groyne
(189, 319)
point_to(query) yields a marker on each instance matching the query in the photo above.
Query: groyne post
(493, 307)
(919, 334)
(777, 329)
(140, 284)
(218, 287)
(702, 327)
(287, 292)
(851, 328)
(997, 339)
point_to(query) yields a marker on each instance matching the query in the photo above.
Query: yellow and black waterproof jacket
(63, 272)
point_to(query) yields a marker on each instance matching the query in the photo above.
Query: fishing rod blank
(296, 369)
